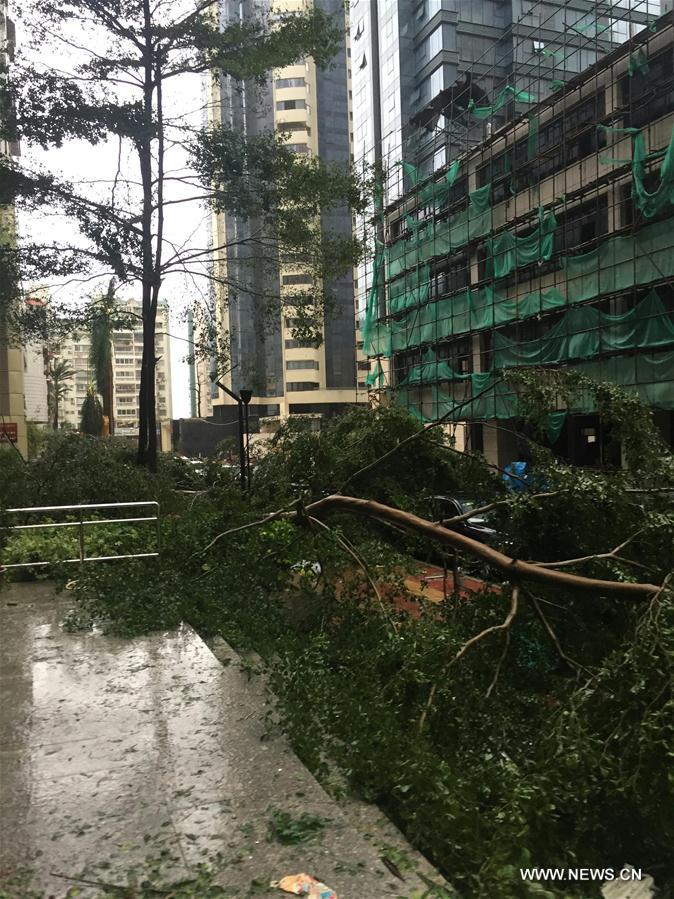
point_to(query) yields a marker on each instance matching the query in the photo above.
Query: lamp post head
(246, 396)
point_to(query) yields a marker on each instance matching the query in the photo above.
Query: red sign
(8, 432)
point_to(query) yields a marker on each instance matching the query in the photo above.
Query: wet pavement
(145, 758)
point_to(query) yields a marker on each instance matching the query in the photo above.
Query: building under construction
(547, 241)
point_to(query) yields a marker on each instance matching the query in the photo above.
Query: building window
(292, 344)
(298, 364)
(302, 149)
(295, 386)
(290, 82)
(293, 126)
(291, 104)
(296, 279)
(579, 228)
(363, 366)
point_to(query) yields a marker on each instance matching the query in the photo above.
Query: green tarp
(621, 262)
(508, 93)
(440, 238)
(470, 310)
(650, 204)
(437, 192)
(507, 251)
(370, 326)
(617, 264)
(649, 376)
(585, 332)
(410, 290)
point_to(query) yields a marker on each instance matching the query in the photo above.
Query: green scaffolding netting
(410, 170)
(585, 332)
(650, 203)
(431, 239)
(437, 192)
(507, 251)
(371, 328)
(638, 63)
(647, 375)
(470, 310)
(411, 290)
(433, 369)
(617, 264)
(376, 376)
(485, 112)
(654, 202)
(621, 262)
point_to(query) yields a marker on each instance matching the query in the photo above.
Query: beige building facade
(12, 412)
(127, 361)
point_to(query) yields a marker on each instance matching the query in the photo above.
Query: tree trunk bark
(147, 438)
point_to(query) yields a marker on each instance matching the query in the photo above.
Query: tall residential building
(12, 412)
(551, 248)
(287, 375)
(127, 361)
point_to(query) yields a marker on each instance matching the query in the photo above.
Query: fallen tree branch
(482, 509)
(504, 626)
(512, 568)
(509, 566)
(553, 636)
(417, 434)
(344, 543)
(273, 516)
(607, 555)
(497, 672)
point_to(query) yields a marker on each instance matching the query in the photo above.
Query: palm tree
(100, 352)
(91, 414)
(58, 373)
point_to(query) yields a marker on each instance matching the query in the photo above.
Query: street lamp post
(244, 440)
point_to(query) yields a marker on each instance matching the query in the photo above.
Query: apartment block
(127, 361)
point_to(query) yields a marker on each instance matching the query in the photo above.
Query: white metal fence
(81, 523)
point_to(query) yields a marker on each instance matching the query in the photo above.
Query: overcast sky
(95, 168)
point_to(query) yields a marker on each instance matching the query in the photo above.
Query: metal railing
(81, 523)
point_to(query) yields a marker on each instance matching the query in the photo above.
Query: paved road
(116, 753)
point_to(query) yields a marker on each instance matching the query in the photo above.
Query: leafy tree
(91, 414)
(58, 373)
(117, 92)
(100, 353)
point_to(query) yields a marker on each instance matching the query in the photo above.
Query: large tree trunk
(147, 436)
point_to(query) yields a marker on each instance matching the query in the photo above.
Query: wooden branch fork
(514, 569)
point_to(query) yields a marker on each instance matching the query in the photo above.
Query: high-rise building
(12, 412)
(287, 375)
(420, 65)
(549, 246)
(127, 361)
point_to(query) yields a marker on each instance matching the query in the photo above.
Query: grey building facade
(287, 376)
(414, 60)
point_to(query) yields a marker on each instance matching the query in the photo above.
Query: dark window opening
(649, 96)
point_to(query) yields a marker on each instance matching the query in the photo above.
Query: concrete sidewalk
(146, 758)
